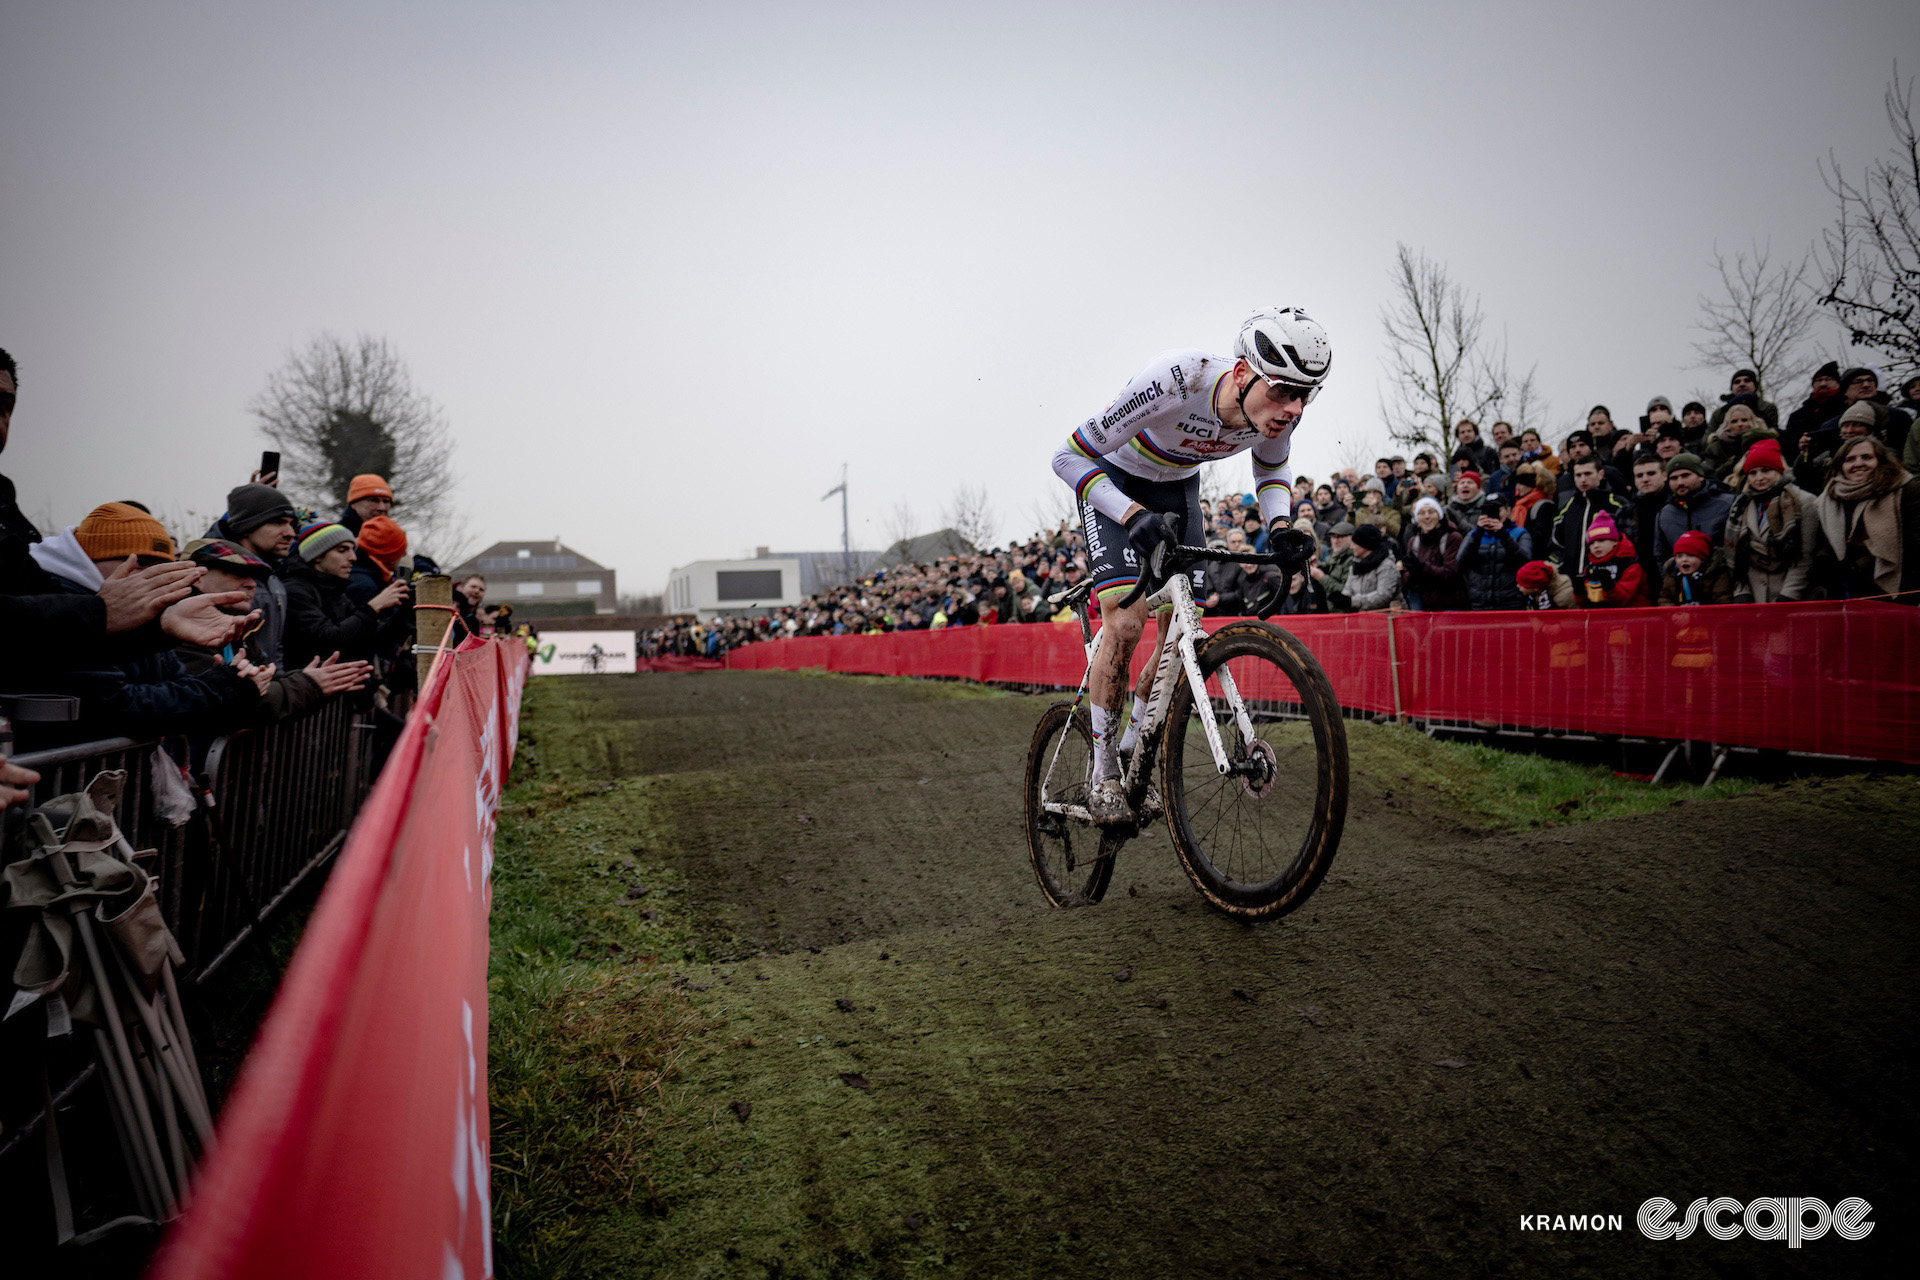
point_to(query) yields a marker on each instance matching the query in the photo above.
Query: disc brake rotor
(1260, 781)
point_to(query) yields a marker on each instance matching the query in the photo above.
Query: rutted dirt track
(945, 1076)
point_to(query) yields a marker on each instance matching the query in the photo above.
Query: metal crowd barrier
(271, 805)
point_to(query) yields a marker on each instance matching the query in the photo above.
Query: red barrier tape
(1827, 677)
(675, 662)
(355, 1143)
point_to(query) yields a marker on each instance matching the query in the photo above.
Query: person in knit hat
(87, 554)
(368, 496)
(321, 618)
(260, 520)
(383, 548)
(289, 694)
(1612, 577)
(1696, 574)
(1543, 586)
(1589, 497)
(151, 695)
(1373, 580)
(1766, 530)
(1693, 502)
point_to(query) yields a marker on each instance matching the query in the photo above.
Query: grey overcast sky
(667, 267)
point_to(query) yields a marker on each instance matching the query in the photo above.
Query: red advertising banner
(1827, 677)
(355, 1142)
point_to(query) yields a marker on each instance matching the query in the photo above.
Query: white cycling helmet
(1285, 345)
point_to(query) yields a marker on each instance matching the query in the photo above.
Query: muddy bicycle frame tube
(1176, 645)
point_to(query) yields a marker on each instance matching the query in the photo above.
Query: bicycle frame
(1179, 625)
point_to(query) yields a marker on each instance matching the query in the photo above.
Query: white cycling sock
(1131, 738)
(1105, 763)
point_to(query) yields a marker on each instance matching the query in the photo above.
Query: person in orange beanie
(87, 554)
(383, 546)
(368, 496)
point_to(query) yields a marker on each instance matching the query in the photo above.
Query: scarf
(1523, 507)
(1775, 547)
(1875, 514)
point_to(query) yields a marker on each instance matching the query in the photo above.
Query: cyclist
(1138, 460)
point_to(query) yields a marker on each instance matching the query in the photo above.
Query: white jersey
(1161, 427)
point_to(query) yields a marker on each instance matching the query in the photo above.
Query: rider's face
(1272, 410)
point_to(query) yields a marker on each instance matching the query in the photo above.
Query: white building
(710, 588)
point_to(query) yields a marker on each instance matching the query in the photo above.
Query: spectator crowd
(265, 616)
(1730, 505)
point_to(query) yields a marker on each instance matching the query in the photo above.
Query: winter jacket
(321, 619)
(1645, 510)
(146, 696)
(1713, 584)
(1479, 455)
(1568, 543)
(1844, 567)
(288, 696)
(1488, 562)
(1766, 540)
(1536, 515)
(1433, 569)
(1373, 583)
(269, 597)
(1235, 586)
(1705, 509)
(1310, 598)
(1805, 420)
(1337, 567)
(1614, 583)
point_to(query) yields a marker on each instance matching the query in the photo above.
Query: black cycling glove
(1146, 531)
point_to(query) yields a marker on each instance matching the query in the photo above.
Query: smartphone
(269, 462)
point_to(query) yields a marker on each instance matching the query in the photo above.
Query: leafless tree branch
(1870, 266)
(1762, 318)
(971, 515)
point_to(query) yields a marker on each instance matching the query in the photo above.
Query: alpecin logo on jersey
(1116, 413)
(1180, 382)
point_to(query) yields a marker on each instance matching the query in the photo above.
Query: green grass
(589, 1021)
(1511, 790)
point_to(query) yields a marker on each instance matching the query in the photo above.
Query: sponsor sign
(583, 653)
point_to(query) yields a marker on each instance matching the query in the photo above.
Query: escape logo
(1790, 1218)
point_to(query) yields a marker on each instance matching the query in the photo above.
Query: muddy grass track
(940, 1075)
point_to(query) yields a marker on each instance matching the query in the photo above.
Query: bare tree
(337, 409)
(1762, 318)
(971, 515)
(1871, 264)
(900, 525)
(1439, 366)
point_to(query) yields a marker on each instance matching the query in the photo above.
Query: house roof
(548, 556)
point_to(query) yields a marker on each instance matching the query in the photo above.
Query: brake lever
(1270, 603)
(1153, 574)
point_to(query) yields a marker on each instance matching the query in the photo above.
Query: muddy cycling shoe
(1107, 803)
(1151, 805)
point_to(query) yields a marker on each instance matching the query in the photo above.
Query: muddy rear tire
(1063, 850)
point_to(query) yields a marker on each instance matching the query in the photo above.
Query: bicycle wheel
(1064, 849)
(1256, 841)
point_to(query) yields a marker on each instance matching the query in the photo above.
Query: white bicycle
(1253, 774)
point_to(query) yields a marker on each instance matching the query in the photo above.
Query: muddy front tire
(1064, 850)
(1257, 842)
